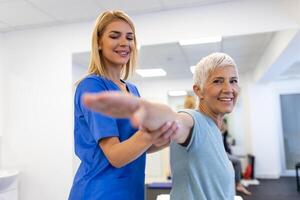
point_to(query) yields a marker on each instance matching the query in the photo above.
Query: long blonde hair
(96, 65)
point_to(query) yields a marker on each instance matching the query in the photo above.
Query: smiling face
(220, 91)
(116, 44)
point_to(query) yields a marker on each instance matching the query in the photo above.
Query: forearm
(122, 153)
(156, 114)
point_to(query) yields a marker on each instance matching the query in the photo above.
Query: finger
(169, 134)
(161, 141)
(171, 130)
(157, 133)
(164, 128)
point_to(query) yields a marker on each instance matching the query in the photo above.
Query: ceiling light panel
(175, 93)
(190, 3)
(154, 72)
(201, 40)
(192, 68)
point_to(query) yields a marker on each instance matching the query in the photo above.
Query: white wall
(1, 89)
(38, 108)
(1, 94)
(262, 119)
(37, 137)
(264, 130)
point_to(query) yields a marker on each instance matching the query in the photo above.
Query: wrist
(145, 138)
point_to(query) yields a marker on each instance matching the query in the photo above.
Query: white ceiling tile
(21, 13)
(4, 27)
(189, 3)
(195, 52)
(246, 50)
(168, 56)
(157, 55)
(1, 1)
(132, 6)
(292, 70)
(69, 10)
(246, 41)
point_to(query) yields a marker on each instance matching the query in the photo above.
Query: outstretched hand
(115, 104)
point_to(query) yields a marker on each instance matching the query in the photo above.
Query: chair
(297, 176)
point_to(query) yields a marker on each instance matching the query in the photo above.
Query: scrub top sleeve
(101, 126)
(137, 91)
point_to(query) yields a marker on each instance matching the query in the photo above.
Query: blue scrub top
(96, 178)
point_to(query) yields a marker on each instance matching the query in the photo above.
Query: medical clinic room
(150, 100)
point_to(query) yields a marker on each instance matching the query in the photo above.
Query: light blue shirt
(202, 170)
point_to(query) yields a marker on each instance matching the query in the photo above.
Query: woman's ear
(198, 91)
(99, 44)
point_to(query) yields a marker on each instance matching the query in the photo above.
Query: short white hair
(208, 64)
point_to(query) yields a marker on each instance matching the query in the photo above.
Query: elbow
(116, 162)
(117, 165)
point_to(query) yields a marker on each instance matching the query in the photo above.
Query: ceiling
(25, 14)
(293, 72)
(176, 59)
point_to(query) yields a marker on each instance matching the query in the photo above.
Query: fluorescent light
(177, 93)
(202, 40)
(192, 68)
(151, 72)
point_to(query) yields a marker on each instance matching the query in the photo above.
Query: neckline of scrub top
(127, 88)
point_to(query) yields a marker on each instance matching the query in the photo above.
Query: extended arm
(121, 153)
(142, 113)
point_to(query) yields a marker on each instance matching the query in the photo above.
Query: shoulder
(92, 83)
(195, 123)
(187, 116)
(195, 114)
(92, 79)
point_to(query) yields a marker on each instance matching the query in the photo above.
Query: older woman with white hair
(199, 164)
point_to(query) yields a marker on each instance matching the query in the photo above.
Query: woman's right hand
(161, 137)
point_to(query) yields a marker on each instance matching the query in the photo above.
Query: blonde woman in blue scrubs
(112, 152)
